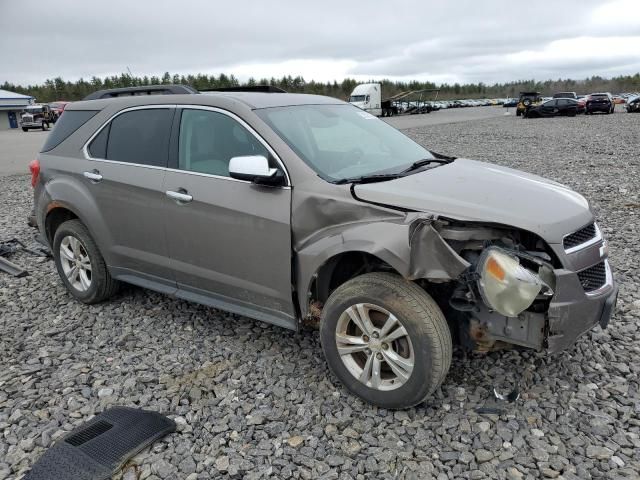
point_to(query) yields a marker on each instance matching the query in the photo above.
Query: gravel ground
(254, 401)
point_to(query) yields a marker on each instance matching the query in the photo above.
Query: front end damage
(446, 258)
(514, 289)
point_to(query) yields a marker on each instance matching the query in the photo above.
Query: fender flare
(64, 192)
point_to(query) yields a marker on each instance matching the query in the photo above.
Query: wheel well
(55, 218)
(341, 268)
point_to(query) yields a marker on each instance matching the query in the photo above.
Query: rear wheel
(386, 340)
(81, 265)
(25, 129)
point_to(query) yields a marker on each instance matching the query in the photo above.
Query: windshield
(342, 141)
(357, 98)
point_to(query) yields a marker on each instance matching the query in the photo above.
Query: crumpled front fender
(409, 244)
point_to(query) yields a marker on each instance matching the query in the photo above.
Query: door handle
(94, 176)
(180, 197)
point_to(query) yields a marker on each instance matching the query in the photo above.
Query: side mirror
(255, 168)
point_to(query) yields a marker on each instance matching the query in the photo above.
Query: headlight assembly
(505, 285)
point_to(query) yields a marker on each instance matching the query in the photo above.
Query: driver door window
(209, 140)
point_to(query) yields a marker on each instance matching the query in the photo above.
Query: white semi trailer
(368, 97)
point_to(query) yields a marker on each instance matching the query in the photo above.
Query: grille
(581, 236)
(593, 278)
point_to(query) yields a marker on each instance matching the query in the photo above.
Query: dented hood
(476, 191)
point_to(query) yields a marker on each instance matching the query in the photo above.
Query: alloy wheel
(76, 263)
(374, 346)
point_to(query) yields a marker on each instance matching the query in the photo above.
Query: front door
(550, 108)
(229, 240)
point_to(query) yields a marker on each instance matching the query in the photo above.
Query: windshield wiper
(424, 162)
(379, 177)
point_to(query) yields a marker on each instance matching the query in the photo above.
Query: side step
(100, 447)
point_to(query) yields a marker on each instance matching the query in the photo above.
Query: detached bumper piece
(11, 246)
(99, 448)
(11, 268)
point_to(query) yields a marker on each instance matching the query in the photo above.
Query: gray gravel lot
(254, 401)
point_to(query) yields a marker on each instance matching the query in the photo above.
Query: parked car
(600, 102)
(566, 95)
(287, 207)
(57, 108)
(553, 108)
(526, 100)
(582, 104)
(36, 116)
(510, 102)
(633, 104)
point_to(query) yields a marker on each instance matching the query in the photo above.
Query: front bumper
(31, 124)
(573, 312)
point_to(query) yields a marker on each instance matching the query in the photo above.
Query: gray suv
(290, 208)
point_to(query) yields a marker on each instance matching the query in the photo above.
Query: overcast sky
(442, 41)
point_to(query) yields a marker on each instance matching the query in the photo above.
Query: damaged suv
(290, 208)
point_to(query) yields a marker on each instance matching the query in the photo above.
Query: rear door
(229, 240)
(125, 172)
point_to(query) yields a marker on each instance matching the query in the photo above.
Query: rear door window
(138, 136)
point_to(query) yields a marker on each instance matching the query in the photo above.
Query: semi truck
(368, 97)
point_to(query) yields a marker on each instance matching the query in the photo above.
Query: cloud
(493, 40)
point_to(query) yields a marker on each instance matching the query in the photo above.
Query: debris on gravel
(256, 401)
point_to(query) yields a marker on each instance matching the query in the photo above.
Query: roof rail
(254, 88)
(144, 90)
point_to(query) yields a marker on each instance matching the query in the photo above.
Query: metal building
(11, 104)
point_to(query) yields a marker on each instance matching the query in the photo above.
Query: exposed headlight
(506, 286)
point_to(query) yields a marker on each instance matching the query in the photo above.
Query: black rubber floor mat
(97, 449)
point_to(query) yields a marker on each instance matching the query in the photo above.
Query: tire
(426, 339)
(25, 129)
(101, 285)
(518, 113)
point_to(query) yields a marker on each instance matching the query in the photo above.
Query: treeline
(58, 89)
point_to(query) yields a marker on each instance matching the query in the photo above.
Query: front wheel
(25, 129)
(386, 340)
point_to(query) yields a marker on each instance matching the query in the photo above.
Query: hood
(475, 191)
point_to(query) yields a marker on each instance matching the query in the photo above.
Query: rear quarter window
(65, 126)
